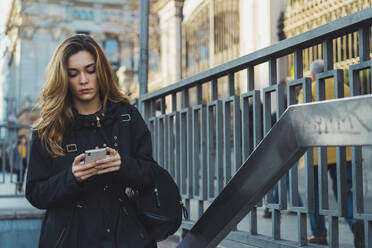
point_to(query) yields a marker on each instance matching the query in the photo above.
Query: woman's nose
(83, 78)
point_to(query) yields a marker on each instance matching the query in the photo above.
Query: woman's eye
(71, 75)
(91, 71)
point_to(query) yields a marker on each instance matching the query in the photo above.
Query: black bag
(160, 207)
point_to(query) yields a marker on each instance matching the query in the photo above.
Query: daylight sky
(4, 7)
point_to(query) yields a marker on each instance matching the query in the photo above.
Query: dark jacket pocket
(55, 229)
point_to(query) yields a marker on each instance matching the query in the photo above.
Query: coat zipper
(98, 121)
(60, 237)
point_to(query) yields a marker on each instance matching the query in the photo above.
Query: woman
(20, 160)
(82, 109)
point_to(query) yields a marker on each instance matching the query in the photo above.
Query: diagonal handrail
(341, 122)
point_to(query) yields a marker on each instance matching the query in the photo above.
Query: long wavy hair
(55, 100)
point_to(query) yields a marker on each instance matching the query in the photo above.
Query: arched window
(76, 14)
(83, 14)
(90, 15)
(111, 48)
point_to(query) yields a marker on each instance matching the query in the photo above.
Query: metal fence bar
(178, 168)
(368, 233)
(170, 147)
(305, 84)
(3, 162)
(199, 161)
(183, 152)
(226, 140)
(215, 148)
(252, 132)
(152, 124)
(364, 45)
(161, 138)
(237, 133)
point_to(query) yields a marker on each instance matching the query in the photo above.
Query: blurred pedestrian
(317, 222)
(82, 109)
(20, 160)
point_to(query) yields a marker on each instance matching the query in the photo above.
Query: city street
(244, 103)
(20, 206)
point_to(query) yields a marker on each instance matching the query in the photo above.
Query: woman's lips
(85, 91)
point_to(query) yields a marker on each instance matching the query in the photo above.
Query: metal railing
(204, 142)
(341, 122)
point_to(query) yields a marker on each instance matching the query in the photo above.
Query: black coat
(96, 212)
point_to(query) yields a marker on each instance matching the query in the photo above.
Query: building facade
(301, 16)
(36, 27)
(186, 37)
(196, 35)
(207, 33)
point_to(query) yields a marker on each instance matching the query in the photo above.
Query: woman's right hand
(83, 171)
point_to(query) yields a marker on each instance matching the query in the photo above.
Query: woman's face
(82, 77)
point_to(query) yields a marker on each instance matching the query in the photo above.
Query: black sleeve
(137, 170)
(46, 188)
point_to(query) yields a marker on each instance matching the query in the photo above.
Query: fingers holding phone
(81, 170)
(110, 163)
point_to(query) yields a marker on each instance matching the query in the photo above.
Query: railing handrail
(330, 30)
(343, 122)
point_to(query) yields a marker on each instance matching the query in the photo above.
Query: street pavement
(288, 224)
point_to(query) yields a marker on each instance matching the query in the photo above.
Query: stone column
(170, 14)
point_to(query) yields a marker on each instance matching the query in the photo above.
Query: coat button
(104, 145)
(105, 188)
(116, 144)
(108, 230)
(116, 137)
(142, 236)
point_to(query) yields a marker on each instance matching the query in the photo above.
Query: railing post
(144, 52)
(328, 54)
(298, 64)
(272, 71)
(364, 46)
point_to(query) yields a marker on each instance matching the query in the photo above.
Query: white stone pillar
(275, 10)
(258, 29)
(170, 14)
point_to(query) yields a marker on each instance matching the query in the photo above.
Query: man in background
(317, 222)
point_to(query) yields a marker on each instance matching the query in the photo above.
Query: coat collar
(101, 118)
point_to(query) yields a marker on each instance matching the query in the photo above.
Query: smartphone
(95, 154)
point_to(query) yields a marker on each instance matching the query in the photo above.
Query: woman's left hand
(109, 164)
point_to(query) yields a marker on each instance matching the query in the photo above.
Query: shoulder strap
(124, 117)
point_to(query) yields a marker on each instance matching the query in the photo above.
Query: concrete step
(171, 242)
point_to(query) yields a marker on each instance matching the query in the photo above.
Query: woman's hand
(109, 164)
(83, 171)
